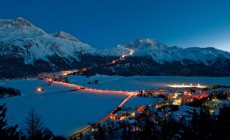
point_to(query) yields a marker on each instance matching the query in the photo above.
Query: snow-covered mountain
(162, 53)
(26, 50)
(150, 57)
(32, 43)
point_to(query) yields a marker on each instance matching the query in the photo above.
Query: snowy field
(133, 83)
(61, 111)
(141, 101)
(65, 112)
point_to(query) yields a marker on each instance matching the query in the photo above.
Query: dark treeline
(203, 127)
(34, 128)
(8, 91)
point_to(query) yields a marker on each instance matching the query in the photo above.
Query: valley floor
(136, 83)
(65, 110)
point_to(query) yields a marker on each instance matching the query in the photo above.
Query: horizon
(104, 24)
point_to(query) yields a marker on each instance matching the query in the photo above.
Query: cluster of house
(54, 76)
(172, 104)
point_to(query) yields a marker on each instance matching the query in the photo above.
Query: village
(174, 106)
(177, 109)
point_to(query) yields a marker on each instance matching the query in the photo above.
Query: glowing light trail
(122, 58)
(49, 78)
(186, 86)
(88, 128)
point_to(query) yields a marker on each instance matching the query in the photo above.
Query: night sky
(106, 23)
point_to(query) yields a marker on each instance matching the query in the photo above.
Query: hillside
(26, 50)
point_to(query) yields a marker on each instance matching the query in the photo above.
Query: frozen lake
(133, 83)
(62, 112)
(66, 112)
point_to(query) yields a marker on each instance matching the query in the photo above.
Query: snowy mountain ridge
(35, 44)
(162, 53)
(64, 35)
(31, 50)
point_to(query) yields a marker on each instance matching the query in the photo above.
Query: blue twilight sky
(105, 23)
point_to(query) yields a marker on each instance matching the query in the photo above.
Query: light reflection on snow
(186, 86)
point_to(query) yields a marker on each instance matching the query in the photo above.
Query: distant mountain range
(26, 50)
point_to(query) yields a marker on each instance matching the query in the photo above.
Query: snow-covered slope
(22, 39)
(26, 50)
(162, 53)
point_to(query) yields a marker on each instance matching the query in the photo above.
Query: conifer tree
(7, 132)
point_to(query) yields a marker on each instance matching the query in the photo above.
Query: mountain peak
(23, 22)
(35, 44)
(65, 35)
(146, 40)
(145, 43)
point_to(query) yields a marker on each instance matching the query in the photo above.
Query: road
(78, 87)
(89, 89)
(121, 58)
(88, 128)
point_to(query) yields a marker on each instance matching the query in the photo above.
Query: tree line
(203, 126)
(4, 91)
(34, 128)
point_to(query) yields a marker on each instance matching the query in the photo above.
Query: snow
(113, 51)
(23, 34)
(37, 44)
(161, 52)
(134, 83)
(62, 112)
(140, 101)
(66, 112)
(183, 111)
(64, 35)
